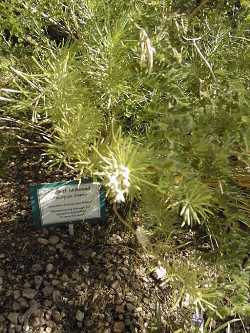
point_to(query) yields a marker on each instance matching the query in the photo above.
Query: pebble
(64, 277)
(29, 293)
(119, 327)
(53, 240)
(27, 285)
(76, 276)
(43, 241)
(16, 306)
(80, 315)
(36, 268)
(49, 267)
(115, 285)
(18, 328)
(55, 282)
(56, 296)
(13, 317)
(16, 294)
(38, 281)
(48, 303)
(23, 302)
(47, 291)
(56, 316)
(36, 322)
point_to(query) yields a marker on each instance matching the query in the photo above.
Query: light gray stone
(115, 285)
(53, 240)
(49, 267)
(47, 291)
(23, 302)
(13, 317)
(79, 315)
(38, 281)
(16, 294)
(36, 268)
(43, 241)
(29, 293)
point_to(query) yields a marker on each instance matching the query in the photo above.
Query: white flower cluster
(147, 50)
(119, 182)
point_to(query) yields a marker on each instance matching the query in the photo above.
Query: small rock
(16, 294)
(76, 276)
(36, 268)
(119, 327)
(13, 318)
(26, 328)
(27, 285)
(115, 285)
(18, 328)
(56, 316)
(49, 268)
(23, 302)
(43, 241)
(12, 328)
(56, 296)
(45, 232)
(48, 303)
(36, 322)
(89, 323)
(48, 329)
(2, 255)
(59, 247)
(79, 315)
(55, 282)
(48, 314)
(1, 280)
(160, 273)
(116, 238)
(29, 293)
(53, 240)
(64, 277)
(34, 304)
(69, 257)
(47, 291)
(16, 306)
(38, 281)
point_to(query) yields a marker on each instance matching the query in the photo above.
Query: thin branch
(199, 8)
(194, 40)
(239, 37)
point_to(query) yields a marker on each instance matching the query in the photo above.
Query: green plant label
(67, 202)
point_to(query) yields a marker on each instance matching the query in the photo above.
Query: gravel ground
(51, 282)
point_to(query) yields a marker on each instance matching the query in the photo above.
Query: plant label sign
(67, 203)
